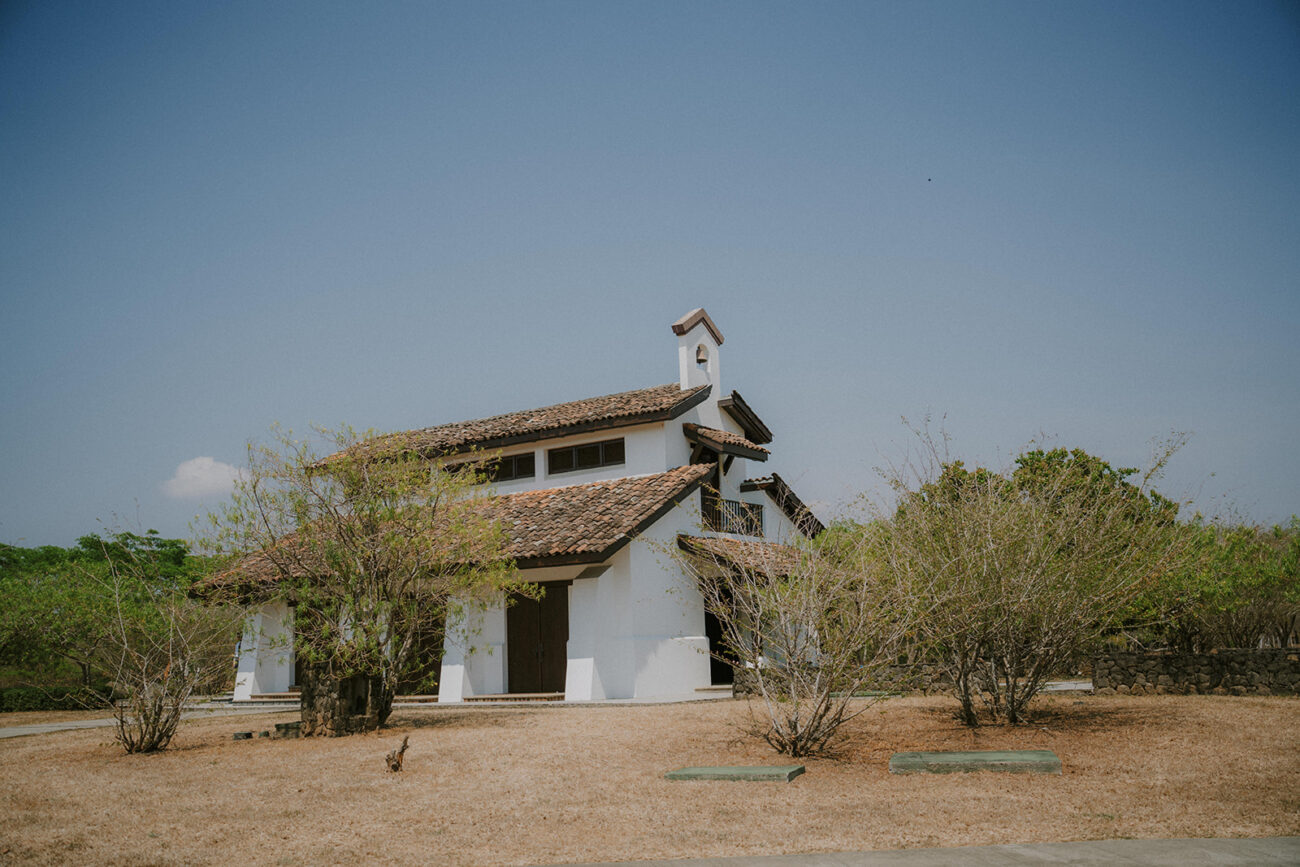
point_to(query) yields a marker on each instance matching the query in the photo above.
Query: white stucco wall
(651, 448)
(670, 650)
(637, 631)
(778, 527)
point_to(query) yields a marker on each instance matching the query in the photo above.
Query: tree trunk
(961, 678)
(334, 706)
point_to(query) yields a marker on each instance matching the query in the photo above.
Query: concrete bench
(1005, 761)
(751, 773)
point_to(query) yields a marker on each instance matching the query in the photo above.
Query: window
(513, 467)
(504, 469)
(584, 457)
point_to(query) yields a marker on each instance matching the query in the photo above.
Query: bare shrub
(158, 648)
(1020, 571)
(804, 624)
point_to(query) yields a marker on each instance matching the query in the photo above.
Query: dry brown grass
(555, 784)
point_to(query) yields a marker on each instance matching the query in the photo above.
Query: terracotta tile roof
(253, 571)
(786, 500)
(766, 557)
(554, 526)
(659, 403)
(588, 523)
(725, 441)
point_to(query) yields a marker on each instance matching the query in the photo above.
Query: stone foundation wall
(1270, 671)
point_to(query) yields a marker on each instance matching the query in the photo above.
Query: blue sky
(1072, 219)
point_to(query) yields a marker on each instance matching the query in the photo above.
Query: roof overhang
(768, 558)
(723, 442)
(645, 522)
(463, 438)
(748, 420)
(573, 525)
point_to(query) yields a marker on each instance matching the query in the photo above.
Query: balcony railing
(732, 516)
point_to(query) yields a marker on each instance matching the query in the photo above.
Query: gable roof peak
(695, 317)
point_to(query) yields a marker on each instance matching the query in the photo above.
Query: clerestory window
(502, 469)
(511, 467)
(587, 456)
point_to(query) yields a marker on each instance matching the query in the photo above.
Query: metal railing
(732, 516)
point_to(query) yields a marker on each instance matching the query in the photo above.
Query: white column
(265, 652)
(246, 673)
(582, 677)
(473, 654)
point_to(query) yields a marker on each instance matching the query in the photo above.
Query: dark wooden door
(720, 670)
(537, 637)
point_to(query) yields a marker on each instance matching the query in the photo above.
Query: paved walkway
(1146, 853)
(68, 725)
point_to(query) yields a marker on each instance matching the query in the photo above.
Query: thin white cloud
(201, 477)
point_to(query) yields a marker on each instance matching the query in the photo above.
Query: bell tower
(698, 340)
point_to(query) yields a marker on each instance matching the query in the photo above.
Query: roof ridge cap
(693, 318)
(553, 406)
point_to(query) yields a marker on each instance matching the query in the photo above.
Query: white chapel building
(593, 496)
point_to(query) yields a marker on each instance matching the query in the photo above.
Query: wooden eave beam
(755, 430)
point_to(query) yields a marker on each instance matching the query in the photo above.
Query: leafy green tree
(58, 604)
(1074, 472)
(374, 547)
(119, 609)
(1242, 589)
(53, 616)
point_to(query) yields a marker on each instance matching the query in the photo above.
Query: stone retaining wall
(1270, 671)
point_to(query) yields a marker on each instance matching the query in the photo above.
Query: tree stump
(394, 758)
